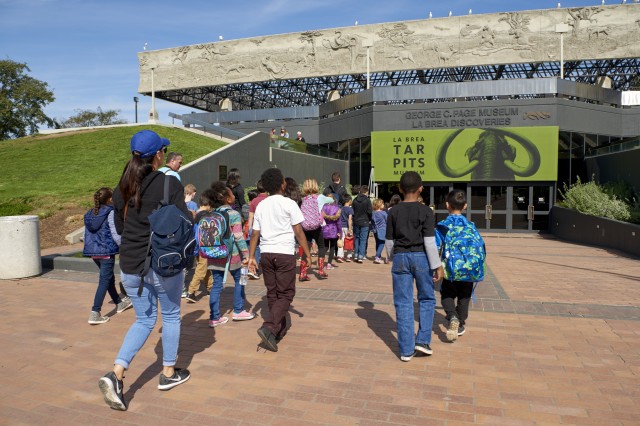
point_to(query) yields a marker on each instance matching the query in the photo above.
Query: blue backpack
(462, 249)
(171, 240)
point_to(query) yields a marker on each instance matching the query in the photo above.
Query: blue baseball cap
(147, 143)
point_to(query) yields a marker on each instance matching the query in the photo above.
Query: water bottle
(244, 275)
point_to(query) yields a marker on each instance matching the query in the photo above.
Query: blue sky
(86, 50)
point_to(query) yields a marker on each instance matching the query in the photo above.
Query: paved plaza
(551, 339)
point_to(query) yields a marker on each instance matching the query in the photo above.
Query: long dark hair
(100, 198)
(132, 176)
(292, 190)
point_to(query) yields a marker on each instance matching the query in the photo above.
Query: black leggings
(316, 234)
(461, 290)
(332, 247)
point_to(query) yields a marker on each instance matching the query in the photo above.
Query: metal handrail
(611, 149)
(208, 127)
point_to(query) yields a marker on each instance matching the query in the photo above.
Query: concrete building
(473, 102)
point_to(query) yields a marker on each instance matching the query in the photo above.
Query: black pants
(460, 290)
(316, 234)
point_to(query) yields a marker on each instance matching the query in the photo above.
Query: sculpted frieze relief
(594, 33)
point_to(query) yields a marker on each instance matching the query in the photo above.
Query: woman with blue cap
(140, 190)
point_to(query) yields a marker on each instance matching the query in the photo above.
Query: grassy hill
(45, 173)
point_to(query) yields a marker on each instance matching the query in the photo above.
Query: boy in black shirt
(410, 242)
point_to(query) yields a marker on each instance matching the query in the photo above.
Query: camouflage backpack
(462, 249)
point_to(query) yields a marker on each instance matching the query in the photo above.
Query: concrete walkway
(551, 339)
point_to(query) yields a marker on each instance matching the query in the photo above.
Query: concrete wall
(574, 226)
(252, 155)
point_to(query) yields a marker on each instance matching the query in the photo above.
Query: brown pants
(279, 273)
(201, 274)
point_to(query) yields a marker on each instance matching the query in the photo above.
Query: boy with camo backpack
(463, 254)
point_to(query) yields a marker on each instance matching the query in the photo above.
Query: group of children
(273, 226)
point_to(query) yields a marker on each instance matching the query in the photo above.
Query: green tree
(22, 101)
(89, 118)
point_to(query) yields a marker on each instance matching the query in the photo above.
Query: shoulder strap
(147, 260)
(165, 199)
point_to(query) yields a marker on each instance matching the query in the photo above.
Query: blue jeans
(379, 245)
(360, 235)
(106, 283)
(165, 290)
(216, 290)
(406, 268)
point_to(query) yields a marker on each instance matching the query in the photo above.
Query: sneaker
(348, 259)
(268, 339)
(191, 298)
(377, 261)
(339, 259)
(452, 331)
(179, 377)
(219, 321)
(461, 330)
(423, 348)
(96, 318)
(407, 358)
(359, 260)
(386, 261)
(243, 316)
(111, 389)
(329, 266)
(124, 304)
(253, 276)
(184, 293)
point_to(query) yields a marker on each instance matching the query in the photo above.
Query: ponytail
(132, 176)
(100, 198)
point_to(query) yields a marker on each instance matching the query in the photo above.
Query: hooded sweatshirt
(362, 211)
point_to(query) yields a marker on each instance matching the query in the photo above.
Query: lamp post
(561, 29)
(135, 101)
(368, 43)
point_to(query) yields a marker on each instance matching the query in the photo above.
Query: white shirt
(274, 218)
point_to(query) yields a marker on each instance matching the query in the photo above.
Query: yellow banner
(466, 155)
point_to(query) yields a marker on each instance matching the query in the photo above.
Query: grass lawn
(45, 173)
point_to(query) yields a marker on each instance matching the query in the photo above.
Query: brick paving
(551, 339)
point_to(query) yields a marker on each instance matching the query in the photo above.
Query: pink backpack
(311, 213)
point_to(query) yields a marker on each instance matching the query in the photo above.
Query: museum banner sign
(467, 154)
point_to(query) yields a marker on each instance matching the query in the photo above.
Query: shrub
(590, 198)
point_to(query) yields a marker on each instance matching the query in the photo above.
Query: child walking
(346, 221)
(379, 221)
(202, 273)
(101, 243)
(276, 226)
(469, 240)
(410, 239)
(332, 229)
(223, 199)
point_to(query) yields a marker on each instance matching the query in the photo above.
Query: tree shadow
(380, 323)
(186, 351)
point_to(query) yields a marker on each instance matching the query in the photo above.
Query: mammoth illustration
(491, 157)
